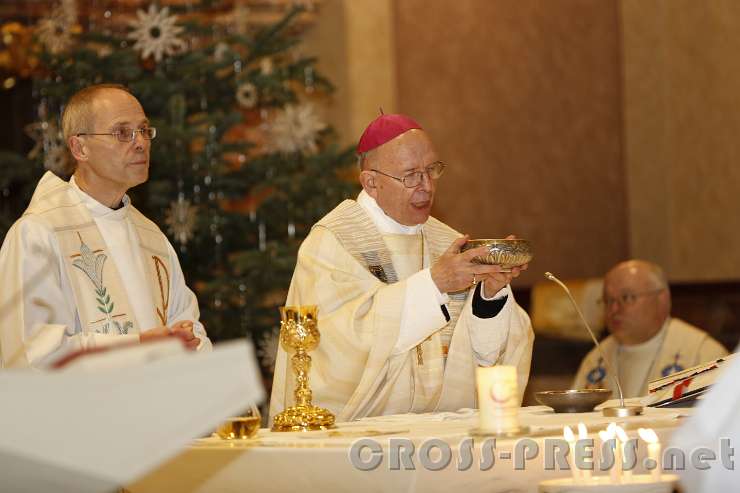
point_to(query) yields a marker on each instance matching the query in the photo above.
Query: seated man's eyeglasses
(627, 299)
(128, 134)
(414, 179)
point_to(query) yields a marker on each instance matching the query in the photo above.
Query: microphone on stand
(619, 411)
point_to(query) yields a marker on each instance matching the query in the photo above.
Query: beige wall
(355, 44)
(523, 98)
(682, 134)
(598, 129)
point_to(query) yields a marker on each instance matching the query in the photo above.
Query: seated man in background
(404, 316)
(646, 343)
(82, 267)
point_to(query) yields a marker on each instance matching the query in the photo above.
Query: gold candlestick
(299, 332)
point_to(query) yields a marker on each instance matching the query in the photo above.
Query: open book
(108, 418)
(683, 387)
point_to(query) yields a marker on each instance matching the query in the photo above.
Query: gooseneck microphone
(622, 410)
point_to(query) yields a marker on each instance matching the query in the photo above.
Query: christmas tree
(242, 165)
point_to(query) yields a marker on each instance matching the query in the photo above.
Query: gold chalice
(299, 332)
(241, 427)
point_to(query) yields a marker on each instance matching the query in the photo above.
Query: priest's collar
(99, 210)
(383, 221)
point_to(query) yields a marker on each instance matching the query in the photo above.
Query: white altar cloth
(320, 461)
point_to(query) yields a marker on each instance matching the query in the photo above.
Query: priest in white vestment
(646, 343)
(405, 317)
(82, 267)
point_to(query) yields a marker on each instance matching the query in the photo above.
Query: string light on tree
(266, 66)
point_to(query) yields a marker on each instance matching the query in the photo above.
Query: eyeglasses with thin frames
(627, 299)
(414, 179)
(128, 134)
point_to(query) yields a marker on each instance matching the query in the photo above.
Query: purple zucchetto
(383, 129)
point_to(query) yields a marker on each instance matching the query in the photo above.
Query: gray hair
(78, 113)
(362, 159)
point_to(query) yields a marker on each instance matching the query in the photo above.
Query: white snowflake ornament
(54, 31)
(180, 219)
(56, 159)
(295, 129)
(267, 348)
(36, 132)
(246, 94)
(49, 143)
(156, 33)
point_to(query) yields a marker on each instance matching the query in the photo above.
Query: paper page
(94, 429)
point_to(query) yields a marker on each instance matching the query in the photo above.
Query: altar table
(319, 461)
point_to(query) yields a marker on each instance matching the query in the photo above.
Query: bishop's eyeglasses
(414, 179)
(126, 134)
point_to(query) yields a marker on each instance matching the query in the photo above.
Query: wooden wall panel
(523, 99)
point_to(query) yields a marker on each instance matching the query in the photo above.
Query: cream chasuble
(674, 348)
(359, 278)
(65, 290)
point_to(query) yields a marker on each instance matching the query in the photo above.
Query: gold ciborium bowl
(504, 252)
(574, 400)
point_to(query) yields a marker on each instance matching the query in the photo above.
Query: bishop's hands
(182, 330)
(496, 282)
(455, 270)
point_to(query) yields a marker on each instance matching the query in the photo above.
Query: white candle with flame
(605, 436)
(583, 435)
(498, 399)
(622, 440)
(653, 450)
(571, 439)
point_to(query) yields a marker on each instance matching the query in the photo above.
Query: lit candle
(606, 436)
(653, 450)
(622, 440)
(498, 399)
(571, 439)
(583, 435)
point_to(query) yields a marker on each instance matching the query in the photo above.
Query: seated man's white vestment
(674, 348)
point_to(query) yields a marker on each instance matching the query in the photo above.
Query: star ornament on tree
(180, 218)
(295, 129)
(50, 144)
(56, 159)
(156, 33)
(55, 31)
(267, 348)
(246, 95)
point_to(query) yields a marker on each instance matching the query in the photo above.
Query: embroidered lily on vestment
(92, 265)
